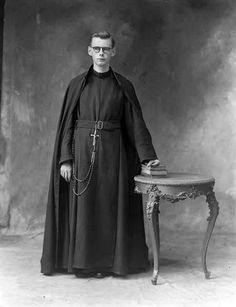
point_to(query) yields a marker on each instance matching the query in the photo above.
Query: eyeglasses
(104, 49)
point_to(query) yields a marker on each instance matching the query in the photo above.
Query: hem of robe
(47, 268)
(75, 270)
(112, 270)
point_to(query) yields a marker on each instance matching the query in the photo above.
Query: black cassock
(102, 228)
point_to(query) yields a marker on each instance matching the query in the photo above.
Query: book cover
(154, 170)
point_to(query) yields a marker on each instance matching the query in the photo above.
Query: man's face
(101, 56)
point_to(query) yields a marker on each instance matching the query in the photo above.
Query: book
(154, 170)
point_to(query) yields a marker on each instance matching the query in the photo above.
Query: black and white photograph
(117, 153)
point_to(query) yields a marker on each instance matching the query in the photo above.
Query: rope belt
(96, 125)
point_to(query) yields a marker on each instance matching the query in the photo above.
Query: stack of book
(154, 170)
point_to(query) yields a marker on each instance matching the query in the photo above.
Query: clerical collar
(102, 74)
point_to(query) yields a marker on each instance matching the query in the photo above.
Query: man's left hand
(153, 162)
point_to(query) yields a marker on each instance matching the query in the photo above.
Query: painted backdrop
(181, 57)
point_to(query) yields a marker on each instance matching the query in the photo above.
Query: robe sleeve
(137, 131)
(66, 144)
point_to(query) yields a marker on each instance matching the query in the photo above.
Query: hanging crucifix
(94, 135)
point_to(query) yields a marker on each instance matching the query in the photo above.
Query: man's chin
(101, 63)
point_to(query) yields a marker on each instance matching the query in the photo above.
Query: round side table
(173, 188)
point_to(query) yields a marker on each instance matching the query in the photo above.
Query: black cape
(131, 252)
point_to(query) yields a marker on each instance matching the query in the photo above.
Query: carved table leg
(214, 211)
(153, 222)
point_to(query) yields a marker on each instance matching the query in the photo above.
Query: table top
(175, 179)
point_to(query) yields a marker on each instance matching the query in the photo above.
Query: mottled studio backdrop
(181, 57)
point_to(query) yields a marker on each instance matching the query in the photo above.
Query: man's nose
(101, 51)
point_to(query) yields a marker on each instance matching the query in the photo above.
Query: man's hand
(153, 162)
(66, 170)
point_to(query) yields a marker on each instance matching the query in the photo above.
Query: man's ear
(90, 50)
(113, 52)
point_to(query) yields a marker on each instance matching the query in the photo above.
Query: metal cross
(94, 135)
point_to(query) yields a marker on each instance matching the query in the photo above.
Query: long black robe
(102, 230)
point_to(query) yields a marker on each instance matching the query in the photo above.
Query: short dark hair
(103, 35)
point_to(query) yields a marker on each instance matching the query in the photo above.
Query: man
(94, 220)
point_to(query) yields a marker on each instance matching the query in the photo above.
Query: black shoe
(118, 275)
(100, 275)
(47, 274)
(84, 275)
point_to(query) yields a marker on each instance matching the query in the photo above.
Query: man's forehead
(100, 42)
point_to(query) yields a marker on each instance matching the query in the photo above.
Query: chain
(88, 176)
(87, 185)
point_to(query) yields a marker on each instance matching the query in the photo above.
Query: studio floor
(181, 281)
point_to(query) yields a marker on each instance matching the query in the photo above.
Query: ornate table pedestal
(173, 188)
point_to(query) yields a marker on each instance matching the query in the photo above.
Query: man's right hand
(66, 170)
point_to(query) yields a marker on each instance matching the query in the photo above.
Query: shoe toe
(100, 275)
